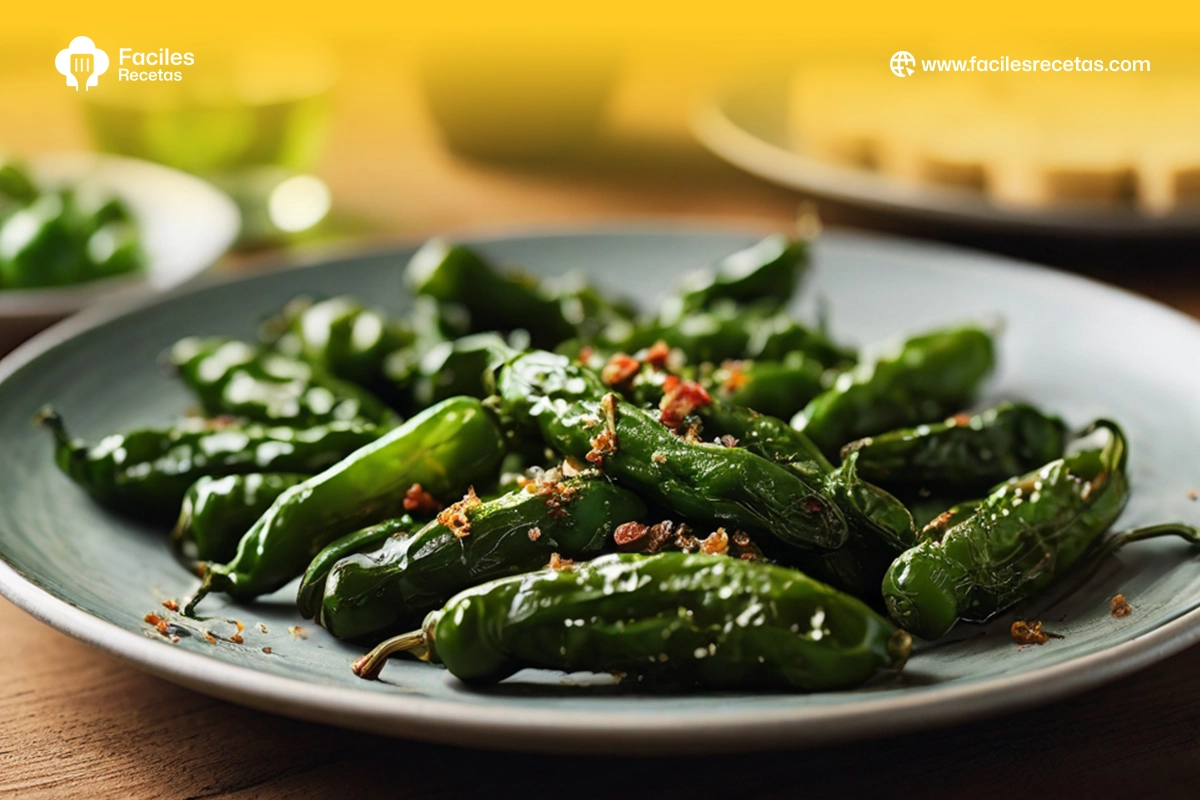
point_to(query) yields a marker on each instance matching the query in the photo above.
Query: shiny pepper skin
(241, 380)
(696, 621)
(1027, 532)
(494, 300)
(146, 473)
(343, 338)
(217, 512)
(962, 453)
(312, 585)
(696, 480)
(518, 532)
(924, 379)
(445, 449)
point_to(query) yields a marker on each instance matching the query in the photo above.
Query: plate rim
(712, 125)
(592, 731)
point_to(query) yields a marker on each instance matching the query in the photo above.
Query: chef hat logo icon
(82, 63)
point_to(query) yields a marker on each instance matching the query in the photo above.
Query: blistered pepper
(696, 621)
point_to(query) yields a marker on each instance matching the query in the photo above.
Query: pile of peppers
(528, 472)
(58, 237)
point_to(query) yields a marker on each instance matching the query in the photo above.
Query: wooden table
(79, 724)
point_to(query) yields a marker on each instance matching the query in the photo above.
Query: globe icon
(902, 64)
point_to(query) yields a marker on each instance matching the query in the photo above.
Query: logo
(902, 64)
(82, 63)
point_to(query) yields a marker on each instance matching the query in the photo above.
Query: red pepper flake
(535, 533)
(559, 563)
(267, 650)
(735, 377)
(163, 627)
(619, 369)
(170, 605)
(151, 619)
(629, 535)
(420, 501)
(1119, 607)
(1030, 632)
(237, 639)
(656, 355)
(680, 401)
(455, 517)
(716, 543)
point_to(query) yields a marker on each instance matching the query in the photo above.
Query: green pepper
(774, 388)
(697, 481)
(779, 336)
(765, 275)
(114, 249)
(1027, 532)
(583, 306)
(515, 533)
(495, 301)
(923, 379)
(217, 511)
(965, 452)
(451, 369)
(232, 377)
(15, 182)
(101, 210)
(444, 449)
(312, 585)
(692, 620)
(147, 472)
(41, 245)
(342, 338)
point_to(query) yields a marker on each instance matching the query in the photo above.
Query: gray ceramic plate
(1071, 345)
(745, 123)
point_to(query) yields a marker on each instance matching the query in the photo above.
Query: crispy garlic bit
(455, 517)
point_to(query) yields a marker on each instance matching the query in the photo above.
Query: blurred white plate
(185, 226)
(746, 123)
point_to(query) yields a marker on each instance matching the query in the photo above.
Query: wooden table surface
(74, 723)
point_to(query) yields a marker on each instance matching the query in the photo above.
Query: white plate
(185, 224)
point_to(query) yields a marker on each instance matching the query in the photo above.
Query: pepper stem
(214, 581)
(369, 666)
(47, 417)
(1185, 532)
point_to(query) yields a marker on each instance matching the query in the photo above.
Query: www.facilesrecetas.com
(1006, 64)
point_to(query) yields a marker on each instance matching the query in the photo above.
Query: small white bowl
(185, 225)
